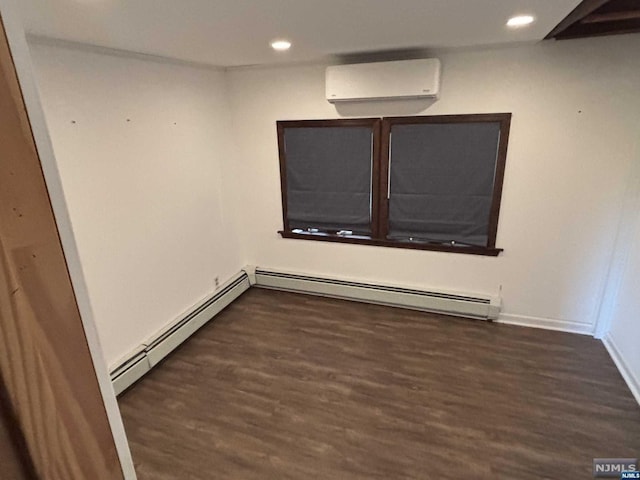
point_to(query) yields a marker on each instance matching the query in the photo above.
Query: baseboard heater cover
(148, 355)
(130, 370)
(475, 306)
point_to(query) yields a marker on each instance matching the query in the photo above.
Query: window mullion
(383, 184)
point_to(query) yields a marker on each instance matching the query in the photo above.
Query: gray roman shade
(329, 178)
(442, 181)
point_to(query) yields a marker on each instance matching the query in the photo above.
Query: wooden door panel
(45, 362)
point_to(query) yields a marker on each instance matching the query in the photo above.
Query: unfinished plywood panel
(11, 466)
(45, 361)
(12, 461)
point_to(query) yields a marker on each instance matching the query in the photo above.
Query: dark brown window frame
(381, 128)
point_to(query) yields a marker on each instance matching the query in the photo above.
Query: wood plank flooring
(287, 386)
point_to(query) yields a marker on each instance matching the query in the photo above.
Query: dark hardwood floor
(287, 386)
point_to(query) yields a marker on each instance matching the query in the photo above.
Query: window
(431, 183)
(328, 172)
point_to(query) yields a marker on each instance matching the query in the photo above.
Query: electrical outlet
(217, 282)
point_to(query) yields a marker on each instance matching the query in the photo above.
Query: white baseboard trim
(546, 323)
(627, 374)
(139, 362)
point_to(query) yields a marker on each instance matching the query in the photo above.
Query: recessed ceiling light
(281, 45)
(520, 21)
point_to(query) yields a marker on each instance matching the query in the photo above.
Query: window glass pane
(329, 178)
(441, 181)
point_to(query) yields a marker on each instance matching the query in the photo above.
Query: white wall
(625, 326)
(620, 313)
(178, 195)
(141, 147)
(575, 111)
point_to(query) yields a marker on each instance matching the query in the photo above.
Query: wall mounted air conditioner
(383, 80)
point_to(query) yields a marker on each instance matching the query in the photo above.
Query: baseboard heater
(148, 355)
(475, 306)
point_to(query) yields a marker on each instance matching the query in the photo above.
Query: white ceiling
(238, 32)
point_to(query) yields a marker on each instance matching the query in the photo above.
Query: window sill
(365, 240)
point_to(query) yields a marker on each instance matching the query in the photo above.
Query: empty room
(305, 239)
